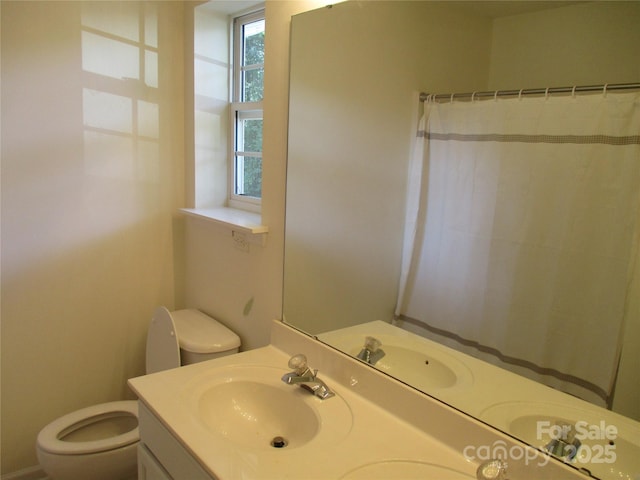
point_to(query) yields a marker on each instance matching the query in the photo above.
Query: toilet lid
(49, 437)
(163, 350)
(199, 333)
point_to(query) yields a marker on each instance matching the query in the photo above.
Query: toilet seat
(49, 437)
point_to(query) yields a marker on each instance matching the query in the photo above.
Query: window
(246, 110)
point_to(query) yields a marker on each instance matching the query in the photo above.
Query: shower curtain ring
(546, 93)
(495, 96)
(573, 92)
(604, 90)
(520, 94)
(473, 97)
(451, 99)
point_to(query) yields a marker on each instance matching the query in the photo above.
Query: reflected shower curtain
(521, 230)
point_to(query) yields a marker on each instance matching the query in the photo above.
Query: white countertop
(395, 430)
(375, 434)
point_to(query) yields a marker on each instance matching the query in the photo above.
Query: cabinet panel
(148, 466)
(167, 450)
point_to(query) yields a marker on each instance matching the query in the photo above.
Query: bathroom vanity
(234, 417)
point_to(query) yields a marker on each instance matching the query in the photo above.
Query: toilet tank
(201, 337)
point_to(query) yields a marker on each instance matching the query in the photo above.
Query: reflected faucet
(371, 352)
(495, 469)
(565, 445)
(303, 376)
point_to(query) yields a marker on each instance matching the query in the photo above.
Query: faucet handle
(567, 432)
(298, 363)
(492, 470)
(372, 344)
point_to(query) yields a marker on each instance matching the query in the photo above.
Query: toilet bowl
(101, 441)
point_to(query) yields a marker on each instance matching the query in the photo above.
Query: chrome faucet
(371, 352)
(495, 469)
(565, 445)
(303, 376)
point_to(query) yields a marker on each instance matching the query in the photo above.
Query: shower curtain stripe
(523, 138)
(590, 387)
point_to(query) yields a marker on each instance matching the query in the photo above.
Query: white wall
(91, 177)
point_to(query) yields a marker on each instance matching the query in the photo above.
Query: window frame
(241, 110)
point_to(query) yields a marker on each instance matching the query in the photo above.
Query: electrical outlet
(240, 241)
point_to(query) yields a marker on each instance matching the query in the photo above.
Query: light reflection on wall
(120, 108)
(92, 175)
(211, 102)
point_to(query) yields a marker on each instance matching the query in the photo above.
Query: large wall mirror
(356, 72)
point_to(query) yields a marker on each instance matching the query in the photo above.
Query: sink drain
(279, 442)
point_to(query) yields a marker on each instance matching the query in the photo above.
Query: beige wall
(584, 44)
(211, 65)
(91, 177)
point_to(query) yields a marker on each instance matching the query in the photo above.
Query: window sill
(238, 222)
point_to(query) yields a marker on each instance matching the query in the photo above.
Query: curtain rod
(532, 91)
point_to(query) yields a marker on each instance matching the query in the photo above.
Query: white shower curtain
(521, 229)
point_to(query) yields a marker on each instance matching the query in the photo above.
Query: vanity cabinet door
(148, 466)
(166, 451)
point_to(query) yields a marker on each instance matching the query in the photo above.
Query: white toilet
(101, 441)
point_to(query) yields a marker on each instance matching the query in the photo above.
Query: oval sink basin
(253, 414)
(422, 367)
(416, 367)
(610, 444)
(252, 409)
(405, 470)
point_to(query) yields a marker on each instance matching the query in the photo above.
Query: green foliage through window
(253, 64)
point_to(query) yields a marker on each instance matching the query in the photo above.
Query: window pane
(248, 84)
(253, 41)
(253, 61)
(253, 85)
(250, 136)
(249, 176)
